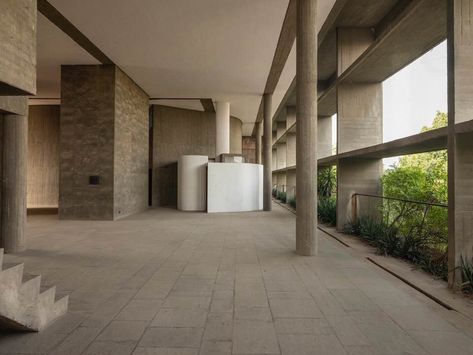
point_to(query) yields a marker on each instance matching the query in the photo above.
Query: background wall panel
(43, 156)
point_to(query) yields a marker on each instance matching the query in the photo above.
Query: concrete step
(24, 304)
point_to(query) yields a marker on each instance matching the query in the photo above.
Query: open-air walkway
(167, 282)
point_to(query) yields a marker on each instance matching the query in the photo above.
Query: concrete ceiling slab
(221, 49)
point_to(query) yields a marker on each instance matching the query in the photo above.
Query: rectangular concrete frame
(360, 124)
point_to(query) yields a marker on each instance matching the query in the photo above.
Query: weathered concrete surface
(13, 196)
(222, 128)
(86, 142)
(356, 176)
(104, 132)
(460, 146)
(259, 142)
(176, 280)
(43, 156)
(249, 150)
(16, 105)
(359, 125)
(306, 129)
(281, 155)
(324, 137)
(236, 136)
(23, 305)
(179, 132)
(290, 184)
(267, 152)
(131, 152)
(18, 47)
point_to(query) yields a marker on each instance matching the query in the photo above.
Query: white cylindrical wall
(222, 136)
(192, 183)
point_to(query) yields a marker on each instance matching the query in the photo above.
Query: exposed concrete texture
(177, 132)
(222, 126)
(460, 146)
(352, 42)
(281, 155)
(280, 129)
(290, 184)
(13, 196)
(249, 149)
(360, 124)
(324, 137)
(86, 145)
(259, 142)
(131, 143)
(104, 132)
(267, 151)
(236, 136)
(291, 149)
(306, 128)
(281, 181)
(290, 116)
(356, 176)
(43, 156)
(176, 280)
(24, 306)
(360, 116)
(274, 159)
(18, 47)
(182, 132)
(16, 105)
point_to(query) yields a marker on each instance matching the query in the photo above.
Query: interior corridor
(167, 282)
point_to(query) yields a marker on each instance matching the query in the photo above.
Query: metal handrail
(403, 200)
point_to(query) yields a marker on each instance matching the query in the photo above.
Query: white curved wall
(192, 183)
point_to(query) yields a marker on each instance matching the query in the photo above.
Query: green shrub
(327, 210)
(281, 196)
(326, 182)
(467, 275)
(417, 246)
(275, 192)
(292, 202)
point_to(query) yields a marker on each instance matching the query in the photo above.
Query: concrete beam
(18, 47)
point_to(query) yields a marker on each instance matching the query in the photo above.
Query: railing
(405, 228)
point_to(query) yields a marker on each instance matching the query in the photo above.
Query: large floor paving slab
(173, 283)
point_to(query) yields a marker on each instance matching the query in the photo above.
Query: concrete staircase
(24, 305)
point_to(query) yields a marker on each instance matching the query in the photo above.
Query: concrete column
(222, 134)
(268, 152)
(460, 138)
(15, 157)
(259, 142)
(360, 124)
(306, 129)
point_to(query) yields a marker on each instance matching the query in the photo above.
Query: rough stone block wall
(18, 47)
(249, 149)
(131, 147)
(104, 132)
(43, 156)
(87, 142)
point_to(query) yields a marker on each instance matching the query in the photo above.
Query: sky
(412, 96)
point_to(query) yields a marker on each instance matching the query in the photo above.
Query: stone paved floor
(170, 283)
